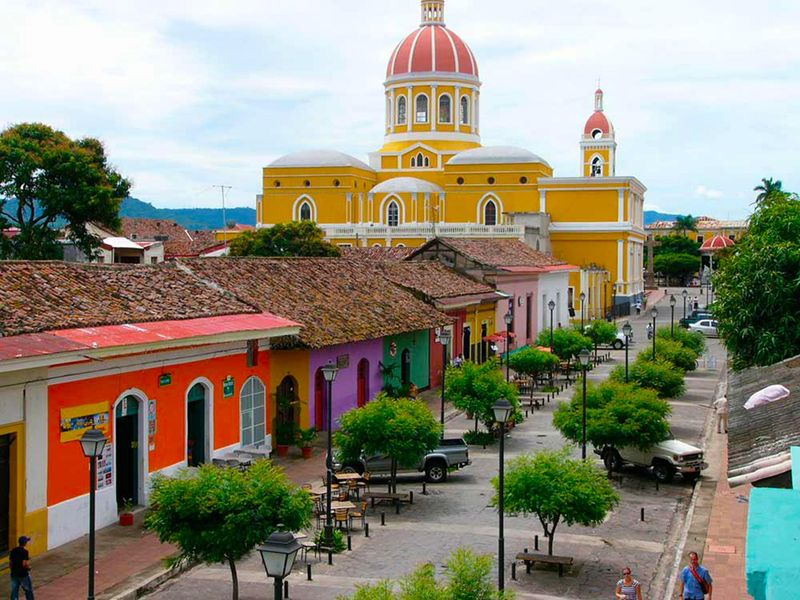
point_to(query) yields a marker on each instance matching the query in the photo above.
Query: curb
(152, 583)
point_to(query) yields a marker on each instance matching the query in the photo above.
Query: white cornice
(634, 183)
(441, 76)
(594, 227)
(421, 136)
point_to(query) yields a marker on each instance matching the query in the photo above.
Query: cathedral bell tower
(598, 145)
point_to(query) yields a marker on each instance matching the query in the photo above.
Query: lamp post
(508, 318)
(329, 373)
(584, 356)
(654, 314)
(627, 331)
(672, 316)
(444, 339)
(583, 299)
(278, 554)
(684, 293)
(552, 306)
(614, 300)
(92, 443)
(502, 411)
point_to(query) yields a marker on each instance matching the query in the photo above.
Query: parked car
(705, 326)
(666, 458)
(619, 343)
(695, 316)
(450, 455)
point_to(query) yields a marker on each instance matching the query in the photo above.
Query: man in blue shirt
(691, 587)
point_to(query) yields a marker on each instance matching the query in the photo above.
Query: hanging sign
(105, 467)
(165, 379)
(227, 387)
(343, 361)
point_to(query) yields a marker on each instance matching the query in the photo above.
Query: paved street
(457, 513)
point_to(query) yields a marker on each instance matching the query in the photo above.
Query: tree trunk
(476, 422)
(551, 537)
(393, 477)
(234, 580)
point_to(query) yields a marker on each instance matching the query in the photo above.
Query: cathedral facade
(433, 178)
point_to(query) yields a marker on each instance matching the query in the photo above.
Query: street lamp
(614, 300)
(583, 299)
(627, 331)
(654, 314)
(684, 293)
(502, 411)
(584, 356)
(329, 373)
(552, 306)
(672, 316)
(508, 318)
(278, 554)
(444, 340)
(92, 443)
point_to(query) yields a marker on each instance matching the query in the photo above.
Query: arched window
(420, 159)
(464, 110)
(597, 167)
(413, 161)
(401, 110)
(422, 109)
(305, 212)
(445, 109)
(490, 213)
(393, 214)
(427, 162)
(253, 406)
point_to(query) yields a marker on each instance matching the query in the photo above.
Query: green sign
(165, 379)
(227, 387)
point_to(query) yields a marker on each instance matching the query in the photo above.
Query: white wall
(553, 286)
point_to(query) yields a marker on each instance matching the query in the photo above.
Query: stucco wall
(418, 343)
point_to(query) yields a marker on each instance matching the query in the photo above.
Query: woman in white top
(627, 587)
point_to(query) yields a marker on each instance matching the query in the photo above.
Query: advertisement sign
(227, 387)
(165, 379)
(74, 421)
(105, 467)
(151, 425)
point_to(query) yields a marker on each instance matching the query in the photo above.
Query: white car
(705, 326)
(619, 343)
(666, 458)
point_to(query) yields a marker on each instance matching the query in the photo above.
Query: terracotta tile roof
(337, 301)
(432, 279)
(376, 253)
(43, 296)
(499, 252)
(177, 240)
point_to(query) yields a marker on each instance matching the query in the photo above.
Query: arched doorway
(196, 425)
(405, 367)
(362, 383)
(127, 442)
(320, 401)
(287, 396)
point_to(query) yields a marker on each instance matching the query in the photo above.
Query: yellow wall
(34, 524)
(297, 364)
(583, 205)
(589, 154)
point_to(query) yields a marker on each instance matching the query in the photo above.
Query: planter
(283, 449)
(126, 519)
(306, 452)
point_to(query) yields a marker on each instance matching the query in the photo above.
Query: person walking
(628, 588)
(20, 567)
(721, 406)
(695, 582)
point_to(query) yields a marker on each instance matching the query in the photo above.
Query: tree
(219, 515)
(48, 179)
(685, 223)
(758, 287)
(768, 188)
(302, 238)
(673, 352)
(600, 332)
(567, 343)
(677, 244)
(557, 489)
(617, 414)
(475, 388)
(661, 376)
(693, 340)
(400, 428)
(676, 265)
(533, 362)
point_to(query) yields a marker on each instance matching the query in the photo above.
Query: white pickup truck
(667, 458)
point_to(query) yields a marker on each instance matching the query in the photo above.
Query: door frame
(142, 457)
(362, 383)
(208, 418)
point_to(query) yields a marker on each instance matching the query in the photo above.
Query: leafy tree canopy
(685, 223)
(661, 376)
(758, 286)
(676, 265)
(284, 239)
(557, 489)
(673, 352)
(219, 515)
(601, 332)
(768, 188)
(677, 244)
(475, 388)
(49, 178)
(567, 343)
(693, 340)
(533, 362)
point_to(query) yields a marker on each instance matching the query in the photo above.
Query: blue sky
(704, 96)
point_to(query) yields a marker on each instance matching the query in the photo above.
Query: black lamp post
(584, 357)
(552, 306)
(627, 331)
(329, 373)
(278, 554)
(672, 316)
(614, 300)
(684, 293)
(444, 340)
(502, 411)
(508, 318)
(654, 314)
(92, 442)
(583, 299)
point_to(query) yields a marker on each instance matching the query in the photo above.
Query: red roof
(432, 48)
(599, 121)
(715, 243)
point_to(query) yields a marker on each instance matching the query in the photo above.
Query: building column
(411, 109)
(391, 111)
(434, 112)
(349, 206)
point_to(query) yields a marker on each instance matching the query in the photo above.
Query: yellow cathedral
(433, 178)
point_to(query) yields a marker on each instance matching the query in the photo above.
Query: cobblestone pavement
(457, 513)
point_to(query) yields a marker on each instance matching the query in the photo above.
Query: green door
(196, 426)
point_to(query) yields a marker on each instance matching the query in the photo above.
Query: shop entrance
(196, 426)
(126, 446)
(5, 490)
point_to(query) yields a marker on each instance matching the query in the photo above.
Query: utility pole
(222, 189)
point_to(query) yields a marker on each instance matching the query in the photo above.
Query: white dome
(405, 184)
(319, 158)
(496, 155)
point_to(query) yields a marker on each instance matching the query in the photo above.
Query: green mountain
(651, 216)
(190, 218)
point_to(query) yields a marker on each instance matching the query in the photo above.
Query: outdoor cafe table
(347, 476)
(318, 491)
(338, 505)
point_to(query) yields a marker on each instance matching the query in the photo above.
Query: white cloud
(702, 191)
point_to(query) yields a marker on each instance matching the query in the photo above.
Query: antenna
(222, 189)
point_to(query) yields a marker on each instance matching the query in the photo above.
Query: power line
(222, 189)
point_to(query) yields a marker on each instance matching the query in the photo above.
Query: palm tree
(684, 224)
(768, 188)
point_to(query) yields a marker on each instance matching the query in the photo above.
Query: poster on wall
(105, 467)
(77, 419)
(151, 425)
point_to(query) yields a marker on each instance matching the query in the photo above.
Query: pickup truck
(667, 458)
(695, 316)
(436, 464)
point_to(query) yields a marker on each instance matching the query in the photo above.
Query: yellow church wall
(589, 154)
(582, 205)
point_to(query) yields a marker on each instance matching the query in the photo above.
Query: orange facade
(68, 474)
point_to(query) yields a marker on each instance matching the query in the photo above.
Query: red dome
(432, 48)
(717, 242)
(598, 121)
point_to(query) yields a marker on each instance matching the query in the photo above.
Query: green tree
(768, 188)
(475, 388)
(673, 352)
(677, 244)
(302, 238)
(48, 179)
(685, 223)
(693, 340)
(400, 428)
(601, 332)
(617, 414)
(557, 489)
(533, 362)
(758, 287)
(219, 515)
(661, 376)
(567, 343)
(677, 265)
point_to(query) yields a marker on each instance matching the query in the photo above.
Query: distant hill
(189, 218)
(651, 216)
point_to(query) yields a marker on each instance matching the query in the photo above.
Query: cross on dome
(432, 12)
